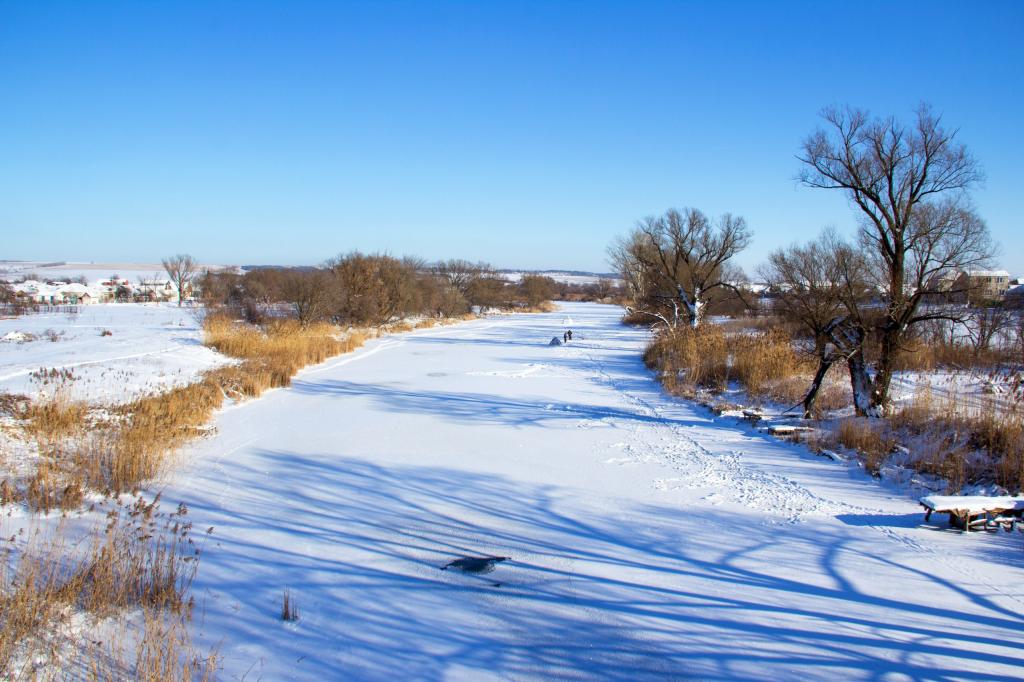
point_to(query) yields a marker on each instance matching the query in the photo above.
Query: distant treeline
(374, 289)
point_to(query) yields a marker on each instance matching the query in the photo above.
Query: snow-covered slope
(92, 272)
(647, 539)
(115, 351)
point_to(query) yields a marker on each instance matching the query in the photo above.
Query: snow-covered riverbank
(115, 351)
(647, 538)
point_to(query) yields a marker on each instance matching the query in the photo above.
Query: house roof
(988, 273)
(74, 288)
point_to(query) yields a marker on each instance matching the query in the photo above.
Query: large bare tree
(821, 286)
(181, 269)
(910, 184)
(674, 263)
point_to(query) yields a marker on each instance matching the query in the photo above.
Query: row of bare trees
(909, 184)
(373, 289)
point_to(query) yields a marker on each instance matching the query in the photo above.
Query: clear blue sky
(524, 134)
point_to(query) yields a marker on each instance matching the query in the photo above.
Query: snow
(971, 503)
(92, 272)
(574, 278)
(647, 538)
(963, 391)
(150, 347)
(17, 337)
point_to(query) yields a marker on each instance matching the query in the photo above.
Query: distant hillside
(553, 273)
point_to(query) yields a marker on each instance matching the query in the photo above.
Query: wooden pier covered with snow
(976, 511)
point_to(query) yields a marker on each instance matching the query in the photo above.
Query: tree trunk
(848, 337)
(697, 309)
(860, 382)
(880, 403)
(693, 308)
(824, 365)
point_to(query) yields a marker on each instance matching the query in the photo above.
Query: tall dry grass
(871, 438)
(762, 359)
(542, 307)
(141, 559)
(926, 355)
(690, 358)
(962, 446)
(966, 445)
(289, 607)
(280, 348)
(763, 362)
(54, 418)
(154, 427)
(164, 653)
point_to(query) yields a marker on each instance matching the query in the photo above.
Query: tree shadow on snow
(620, 594)
(486, 408)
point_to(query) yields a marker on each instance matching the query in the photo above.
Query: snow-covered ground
(578, 279)
(150, 347)
(647, 538)
(965, 391)
(92, 272)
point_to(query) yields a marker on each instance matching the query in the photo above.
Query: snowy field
(92, 272)
(647, 538)
(564, 277)
(150, 347)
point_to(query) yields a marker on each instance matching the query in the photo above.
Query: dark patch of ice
(475, 564)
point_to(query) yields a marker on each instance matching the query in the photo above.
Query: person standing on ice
(569, 333)
(565, 337)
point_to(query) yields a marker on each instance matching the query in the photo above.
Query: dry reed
(289, 609)
(690, 358)
(709, 358)
(141, 559)
(927, 354)
(963, 444)
(871, 438)
(762, 359)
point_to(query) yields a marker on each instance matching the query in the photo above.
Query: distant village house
(986, 285)
(157, 290)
